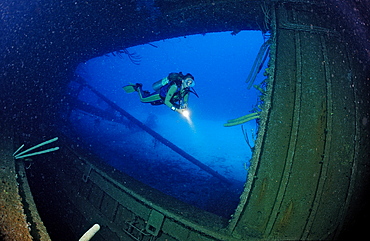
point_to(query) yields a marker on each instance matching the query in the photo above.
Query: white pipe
(36, 153)
(41, 144)
(18, 150)
(90, 233)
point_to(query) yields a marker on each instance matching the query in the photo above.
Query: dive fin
(129, 88)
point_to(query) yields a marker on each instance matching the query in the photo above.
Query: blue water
(220, 63)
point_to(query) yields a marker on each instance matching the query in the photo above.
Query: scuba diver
(172, 91)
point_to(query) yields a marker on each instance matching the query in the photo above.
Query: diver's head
(188, 81)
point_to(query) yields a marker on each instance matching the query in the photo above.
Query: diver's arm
(169, 96)
(185, 101)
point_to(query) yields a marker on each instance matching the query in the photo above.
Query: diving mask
(189, 82)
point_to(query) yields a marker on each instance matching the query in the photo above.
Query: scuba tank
(159, 84)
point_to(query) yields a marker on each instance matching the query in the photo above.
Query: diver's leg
(149, 98)
(145, 96)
